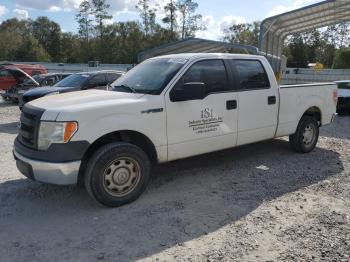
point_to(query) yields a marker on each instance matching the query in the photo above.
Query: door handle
(271, 100)
(231, 104)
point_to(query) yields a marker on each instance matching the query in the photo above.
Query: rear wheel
(306, 136)
(117, 174)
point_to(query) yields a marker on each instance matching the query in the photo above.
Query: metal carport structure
(274, 30)
(196, 45)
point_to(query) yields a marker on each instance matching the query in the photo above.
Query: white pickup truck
(166, 108)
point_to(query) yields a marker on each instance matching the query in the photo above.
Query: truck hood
(76, 101)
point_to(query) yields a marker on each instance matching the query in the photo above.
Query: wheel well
(314, 112)
(128, 136)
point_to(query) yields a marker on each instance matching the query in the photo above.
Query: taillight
(335, 96)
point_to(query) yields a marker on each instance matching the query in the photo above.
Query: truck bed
(297, 99)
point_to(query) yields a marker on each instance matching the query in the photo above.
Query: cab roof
(191, 56)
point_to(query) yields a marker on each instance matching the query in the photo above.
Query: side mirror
(188, 91)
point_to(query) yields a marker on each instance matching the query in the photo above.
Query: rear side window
(210, 72)
(97, 80)
(251, 74)
(111, 77)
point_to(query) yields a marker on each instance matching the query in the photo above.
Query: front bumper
(65, 173)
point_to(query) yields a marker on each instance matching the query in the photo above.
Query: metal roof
(274, 30)
(196, 45)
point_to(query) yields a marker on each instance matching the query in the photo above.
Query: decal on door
(207, 123)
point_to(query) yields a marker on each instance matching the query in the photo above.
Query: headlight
(55, 132)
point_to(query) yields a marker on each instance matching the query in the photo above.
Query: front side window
(251, 74)
(212, 73)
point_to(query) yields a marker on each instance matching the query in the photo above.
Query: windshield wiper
(133, 90)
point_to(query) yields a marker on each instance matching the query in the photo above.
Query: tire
(306, 136)
(117, 174)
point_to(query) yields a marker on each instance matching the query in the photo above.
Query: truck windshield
(344, 85)
(149, 77)
(76, 80)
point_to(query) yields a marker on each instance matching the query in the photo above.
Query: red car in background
(7, 79)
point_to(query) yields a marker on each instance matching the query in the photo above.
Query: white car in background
(343, 97)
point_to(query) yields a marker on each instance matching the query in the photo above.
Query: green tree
(17, 42)
(343, 30)
(148, 16)
(100, 11)
(296, 51)
(48, 34)
(342, 59)
(31, 50)
(247, 34)
(170, 10)
(85, 26)
(190, 21)
(12, 34)
(71, 49)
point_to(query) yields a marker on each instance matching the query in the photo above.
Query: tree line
(99, 38)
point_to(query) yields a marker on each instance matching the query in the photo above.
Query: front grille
(29, 127)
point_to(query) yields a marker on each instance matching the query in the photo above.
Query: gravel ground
(260, 202)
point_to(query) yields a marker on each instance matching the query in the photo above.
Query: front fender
(152, 126)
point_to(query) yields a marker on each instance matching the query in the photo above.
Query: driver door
(204, 125)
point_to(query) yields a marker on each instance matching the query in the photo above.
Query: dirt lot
(260, 202)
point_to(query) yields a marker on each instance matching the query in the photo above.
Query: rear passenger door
(257, 102)
(209, 124)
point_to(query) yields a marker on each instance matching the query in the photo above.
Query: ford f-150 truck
(166, 108)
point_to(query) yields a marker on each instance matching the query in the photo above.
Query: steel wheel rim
(121, 176)
(309, 134)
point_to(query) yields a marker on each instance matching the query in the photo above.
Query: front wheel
(117, 174)
(306, 136)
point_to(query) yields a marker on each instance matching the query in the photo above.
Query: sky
(217, 14)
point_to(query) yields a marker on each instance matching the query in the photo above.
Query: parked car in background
(343, 97)
(7, 79)
(23, 85)
(75, 82)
